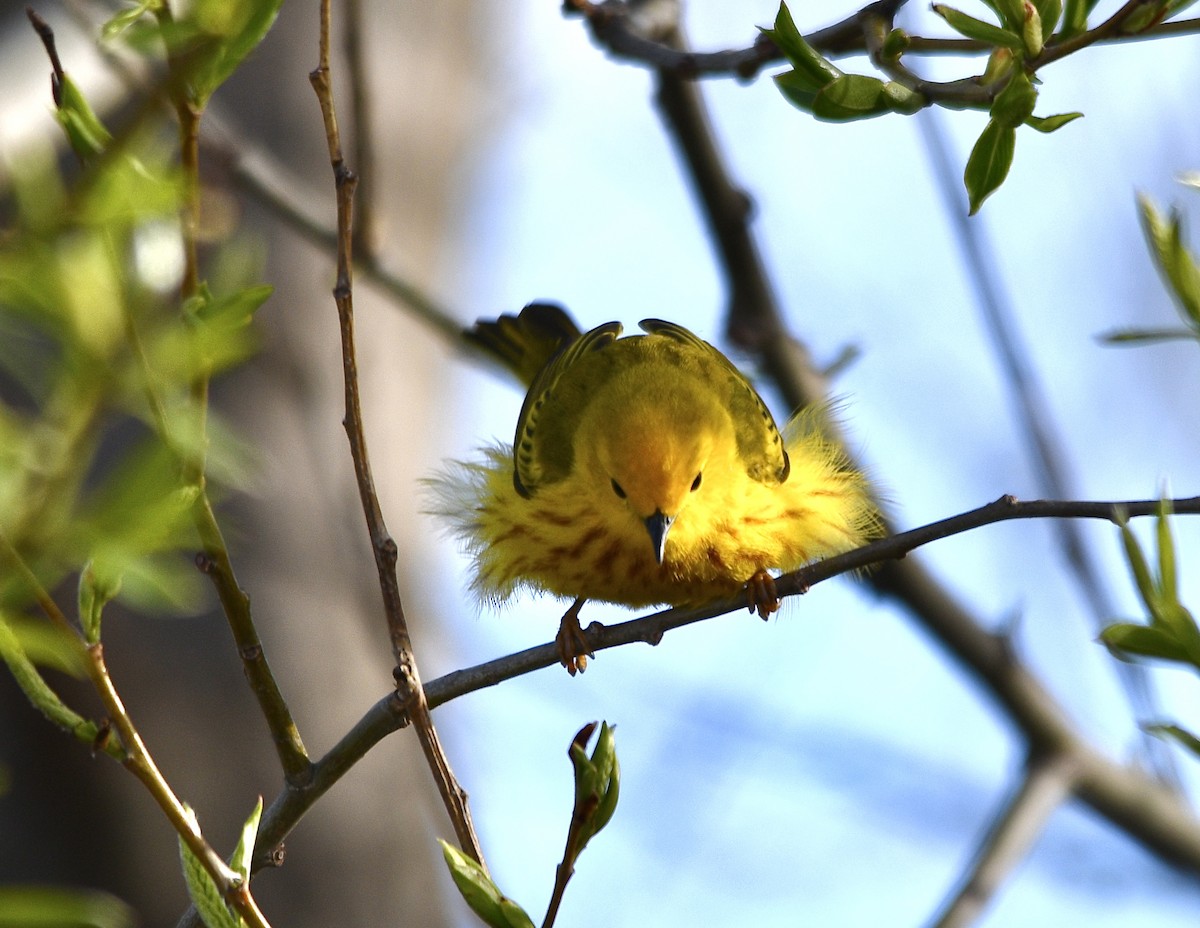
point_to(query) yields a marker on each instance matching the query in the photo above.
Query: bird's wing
(528, 465)
(525, 343)
(760, 445)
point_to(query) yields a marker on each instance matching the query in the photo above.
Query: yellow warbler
(644, 471)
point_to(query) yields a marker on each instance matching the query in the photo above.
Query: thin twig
(1042, 438)
(408, 678)
(261, 176)
(131, 751)
(214, 560)
(46, 34)
(894, 548)
(365, 225)
(139, 762)
(1046, 783)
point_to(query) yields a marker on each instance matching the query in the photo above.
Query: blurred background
(829, 767)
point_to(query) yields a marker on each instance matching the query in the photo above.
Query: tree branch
(614, 26)
(408, 679)
(1141, 806)
(1046, 784)
(1043, 441)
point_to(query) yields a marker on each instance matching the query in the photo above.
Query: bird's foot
(761, 595)
(572, 644)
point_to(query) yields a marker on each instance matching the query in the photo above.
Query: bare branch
(408, 679)
(1046, 784)
(1043, 440)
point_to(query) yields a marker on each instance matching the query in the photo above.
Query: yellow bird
(644, 471)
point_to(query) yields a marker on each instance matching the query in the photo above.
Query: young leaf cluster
(205, 44)
(816, 85)
(1170, 632)
(97, 416)
(1177, 265)
(1006, 88)
(202, 889)
(597, 788)
(105, 446)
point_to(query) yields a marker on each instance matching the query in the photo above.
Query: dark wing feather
(525, 343)
(529, 467)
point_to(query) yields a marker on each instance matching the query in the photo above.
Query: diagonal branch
(1046, 783)
(1042, 438)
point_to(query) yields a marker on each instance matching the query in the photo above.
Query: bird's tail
(526, 342)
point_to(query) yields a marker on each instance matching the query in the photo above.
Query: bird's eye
(617, 489)
(696, 482)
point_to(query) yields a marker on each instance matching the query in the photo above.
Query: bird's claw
(761, 595)
(571, 642)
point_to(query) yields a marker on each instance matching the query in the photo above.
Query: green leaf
(1168, 584)
(851, 96)
(99, 584)
(47, 645)
(163, 585)
(242, 854)
(978, 29)
(606, 750)
(230, 31)
(1126, 638)
(203, 891)
(989, 162)
(1050, 11)
(1031, 31)
(1174, 261)
(139, 508)
(1144, 17)
(131, 190)
(804, 57)
(1010, 12)
(222, 327)
(1138, 566)
(1177, 6)
(1014, 104)
(480, 893)
(1000, 64)
(1175, 732)
(60, 907)
(127, 17)
(798, 88)
(597, 783)
(34, 686)
(1075, 15)
(86, 133)
(895, 45)
(1143, 336)
(1048, 124)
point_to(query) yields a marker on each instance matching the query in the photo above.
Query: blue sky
(830, 767)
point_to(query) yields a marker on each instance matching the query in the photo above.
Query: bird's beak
(658, 525)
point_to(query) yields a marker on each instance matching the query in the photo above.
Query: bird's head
(650, 454)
